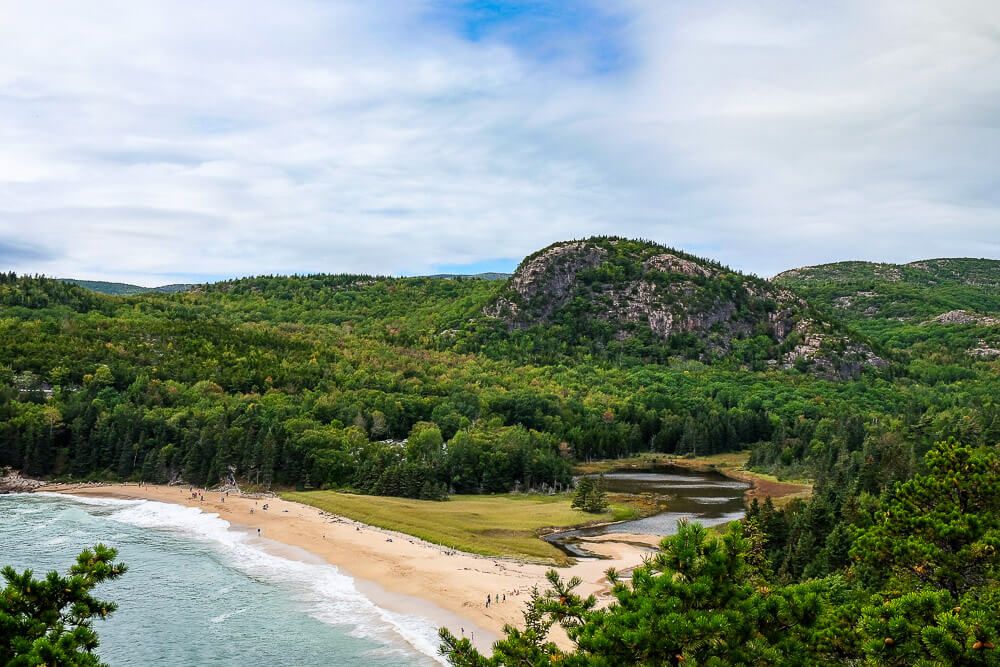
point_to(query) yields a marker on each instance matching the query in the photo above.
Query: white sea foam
(88, 500)
(325, 592)
(222, 618)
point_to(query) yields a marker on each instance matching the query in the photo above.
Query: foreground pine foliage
(922, 589)
(49, 621)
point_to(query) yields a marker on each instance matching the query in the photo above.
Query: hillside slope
(617, 296)
(946, 310)
(922, 289)
(125, 289)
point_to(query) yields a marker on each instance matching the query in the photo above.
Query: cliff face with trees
(935, 313)
(619, 297)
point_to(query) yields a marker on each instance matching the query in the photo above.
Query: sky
(154, 142)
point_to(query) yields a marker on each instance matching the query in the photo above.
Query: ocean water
(199, 593)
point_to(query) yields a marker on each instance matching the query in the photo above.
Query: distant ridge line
(125, 289)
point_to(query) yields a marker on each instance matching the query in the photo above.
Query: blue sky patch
(582, 36)
(499, 265)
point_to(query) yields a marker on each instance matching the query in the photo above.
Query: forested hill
(616, 297)
(940, 311)
(922, 289)
(124, 289)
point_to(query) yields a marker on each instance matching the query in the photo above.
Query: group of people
(499, 597)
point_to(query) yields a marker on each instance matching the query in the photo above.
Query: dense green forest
(317, 381)
(847, 374)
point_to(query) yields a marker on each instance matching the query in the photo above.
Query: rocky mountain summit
(640, 296)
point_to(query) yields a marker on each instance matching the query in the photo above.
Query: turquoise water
(199, 593)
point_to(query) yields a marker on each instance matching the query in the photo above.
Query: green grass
(499, 525)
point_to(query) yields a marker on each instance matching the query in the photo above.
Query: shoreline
(396, 571)
(760, 487)
(731, 465)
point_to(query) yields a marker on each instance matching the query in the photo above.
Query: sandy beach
(394, 569)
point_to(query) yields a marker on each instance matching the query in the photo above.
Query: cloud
(15, 253)
(146, 140)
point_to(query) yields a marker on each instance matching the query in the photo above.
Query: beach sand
(405, 574)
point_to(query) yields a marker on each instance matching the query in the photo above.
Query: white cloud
(142, 140)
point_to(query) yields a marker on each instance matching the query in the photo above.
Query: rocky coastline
(11, 481)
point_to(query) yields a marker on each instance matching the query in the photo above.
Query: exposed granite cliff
(620, 290)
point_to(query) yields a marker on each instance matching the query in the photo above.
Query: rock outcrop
(984, 350)
(965, 317)
(11, 481)
(612, 289)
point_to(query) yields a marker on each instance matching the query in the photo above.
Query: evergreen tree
(590, 495)
(940, 529)
(934, 546)
(49, 621)
(694, 603)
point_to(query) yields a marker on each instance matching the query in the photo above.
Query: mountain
(943, 311)
(616, 296)
(124, 289)
(918, 290)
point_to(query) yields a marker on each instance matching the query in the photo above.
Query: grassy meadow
(495, 525)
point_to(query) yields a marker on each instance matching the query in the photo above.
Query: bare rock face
(545, 279)
(11, 481)
(985, 351)
(623, 289)
(670, 263)
(814, 351)
(964, 317)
